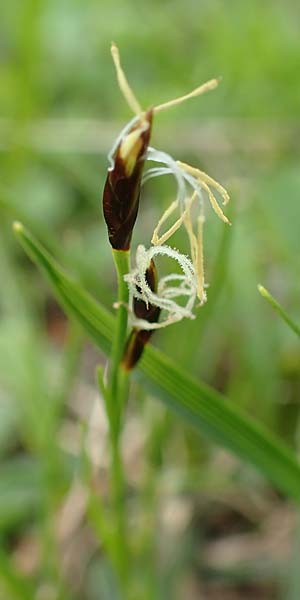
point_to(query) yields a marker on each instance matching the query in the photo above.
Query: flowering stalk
(120, 207)
(117, 384)
(139, 292)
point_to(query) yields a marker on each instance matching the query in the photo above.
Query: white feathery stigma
(164, 298)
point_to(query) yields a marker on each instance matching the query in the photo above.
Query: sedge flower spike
(122, 187)
(154, 303)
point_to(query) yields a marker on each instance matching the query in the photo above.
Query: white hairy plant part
(166, 294)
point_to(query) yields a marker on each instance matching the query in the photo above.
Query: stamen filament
(200, 261)
(158, 241)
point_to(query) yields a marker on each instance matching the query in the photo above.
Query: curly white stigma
(171, 287)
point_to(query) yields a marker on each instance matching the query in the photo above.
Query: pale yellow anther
(204, 181)
(218, 187)
(189, 229)
(123, 83)
(131, 99)
(214, 203)
(196, 246)
(200, 261)
(205, 87)
(202, 176)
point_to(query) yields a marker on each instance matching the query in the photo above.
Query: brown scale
(122, 187)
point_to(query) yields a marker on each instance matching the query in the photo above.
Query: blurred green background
(60, 110)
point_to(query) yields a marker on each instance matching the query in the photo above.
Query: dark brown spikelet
(123, 183)
(139, 337)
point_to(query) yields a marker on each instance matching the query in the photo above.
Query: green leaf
(206, 409)
(279, 309)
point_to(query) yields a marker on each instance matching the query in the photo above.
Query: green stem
(118, 545)
(265, 294)
(115, 395)
(116, 385)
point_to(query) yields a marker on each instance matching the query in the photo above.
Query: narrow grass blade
(196, 402)
(279, 309)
